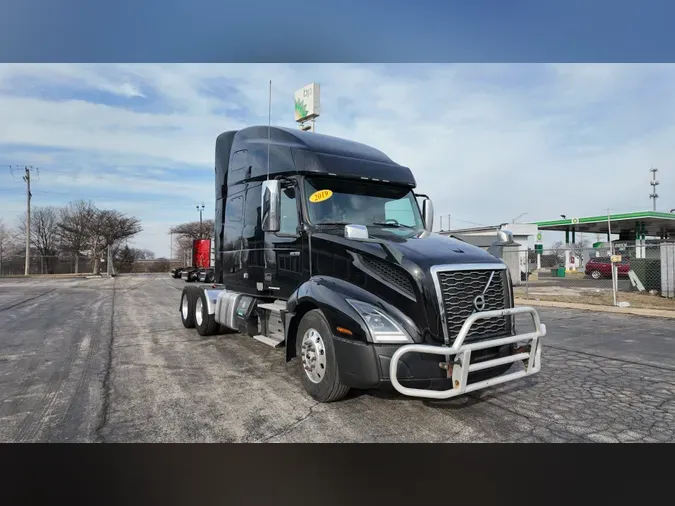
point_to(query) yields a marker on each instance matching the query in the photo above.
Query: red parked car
(601, 267)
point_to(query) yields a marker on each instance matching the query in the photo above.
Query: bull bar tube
(462, 366)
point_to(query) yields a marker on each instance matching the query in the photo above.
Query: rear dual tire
(187, 308)
(194, 312)
(204, 322)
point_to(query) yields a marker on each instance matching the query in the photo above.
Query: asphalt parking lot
(107, 360)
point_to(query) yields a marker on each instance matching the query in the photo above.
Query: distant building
(515, 256)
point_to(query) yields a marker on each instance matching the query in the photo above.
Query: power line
(90, 197)
(471, 222)
(106, 177)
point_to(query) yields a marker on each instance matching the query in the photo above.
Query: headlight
(382, 328)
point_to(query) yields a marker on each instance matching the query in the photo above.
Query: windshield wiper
(333, 223)
(390, 224)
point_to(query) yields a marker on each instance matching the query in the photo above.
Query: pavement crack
(292, 426)
(106, 386)
(29, 299)
(616, 359)
(161, 343)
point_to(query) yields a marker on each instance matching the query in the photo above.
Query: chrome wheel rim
(184, 308)
(198, 312)
(313, 355)
(596, 275)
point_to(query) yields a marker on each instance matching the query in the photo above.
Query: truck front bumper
(414, 369)
(459, 356)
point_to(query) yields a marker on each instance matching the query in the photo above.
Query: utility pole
(201, 210)
(654, 184)
(611, 252)
(27, 179)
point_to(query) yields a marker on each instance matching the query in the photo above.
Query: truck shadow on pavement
(460, 402)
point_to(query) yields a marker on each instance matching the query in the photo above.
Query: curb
(658, 313)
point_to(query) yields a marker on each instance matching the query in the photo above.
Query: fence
(15, 265)
(643, 277)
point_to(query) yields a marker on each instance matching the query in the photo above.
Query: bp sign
(307, 103)
(539, 236)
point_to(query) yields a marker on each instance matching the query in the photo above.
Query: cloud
(486, 142)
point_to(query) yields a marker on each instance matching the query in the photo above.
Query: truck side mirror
(505, 236)
(271, 206)
(428, 214)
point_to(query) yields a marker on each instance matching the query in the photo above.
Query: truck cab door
(283, 249)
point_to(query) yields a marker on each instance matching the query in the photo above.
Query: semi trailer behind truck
(323, 249)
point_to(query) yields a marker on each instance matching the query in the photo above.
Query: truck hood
(424, 250)
(414, 255)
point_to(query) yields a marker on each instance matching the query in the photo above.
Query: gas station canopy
(629, 226)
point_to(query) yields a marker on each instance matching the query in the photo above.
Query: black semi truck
(323, 248)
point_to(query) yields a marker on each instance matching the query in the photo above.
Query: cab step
(271, 328)
(274, 341)
(275, 307)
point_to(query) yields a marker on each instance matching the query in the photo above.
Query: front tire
(317, 364)
(596, 274)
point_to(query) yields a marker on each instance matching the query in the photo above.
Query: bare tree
(44, 233)
(193, 230)
(74, 228)
(578, 249)
(142, 254)
(126, 255)
(5, 242)
(186, 233)
(554, 256)
(108, 228)
(558, 249)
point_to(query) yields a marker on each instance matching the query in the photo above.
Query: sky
(487, 142)
(337, 31)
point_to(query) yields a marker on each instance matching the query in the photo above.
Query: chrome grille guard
(460, 368)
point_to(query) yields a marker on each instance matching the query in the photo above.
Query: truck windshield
(376, 205)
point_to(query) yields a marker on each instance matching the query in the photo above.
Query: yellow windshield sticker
(320, 196)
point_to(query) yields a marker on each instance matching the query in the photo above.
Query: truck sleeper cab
(322, 248)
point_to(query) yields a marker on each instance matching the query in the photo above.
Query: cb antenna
(269, 129)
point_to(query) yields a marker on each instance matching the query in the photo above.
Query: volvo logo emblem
(479, 302)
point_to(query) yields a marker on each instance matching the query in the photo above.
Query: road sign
(616, 259)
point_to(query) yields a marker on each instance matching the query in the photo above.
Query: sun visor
(309, 162)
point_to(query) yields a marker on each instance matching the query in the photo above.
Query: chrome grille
(458, 289)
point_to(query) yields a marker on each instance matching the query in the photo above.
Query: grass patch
(604, 298)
